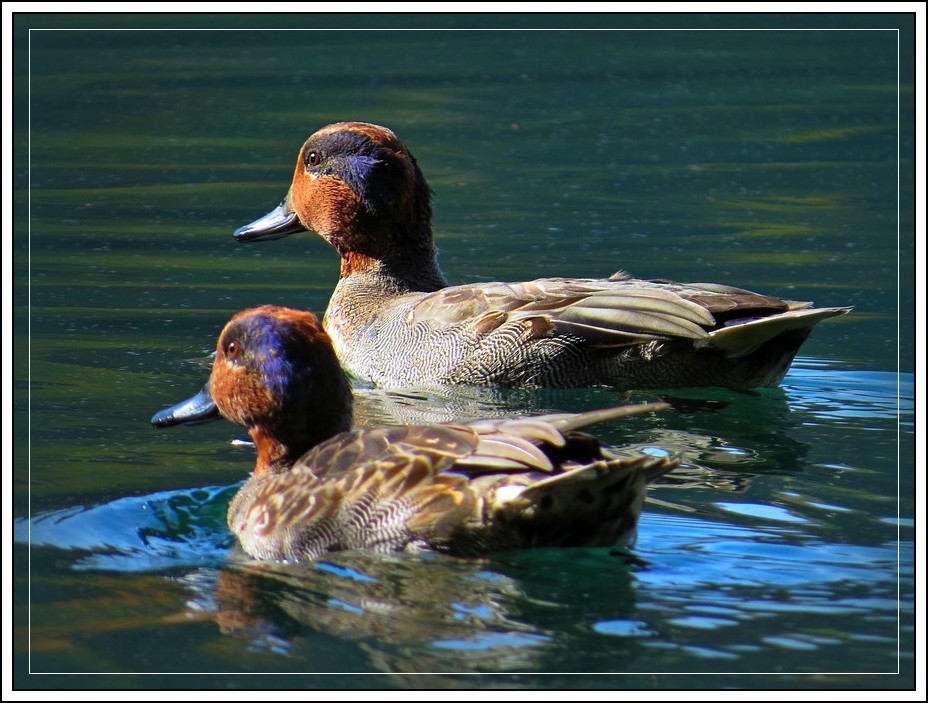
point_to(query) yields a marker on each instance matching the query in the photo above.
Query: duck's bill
(280, 222)
(199, 408)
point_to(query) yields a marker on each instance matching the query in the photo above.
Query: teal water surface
(780, 555)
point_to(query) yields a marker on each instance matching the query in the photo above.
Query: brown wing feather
(442, 444)
(604, 311)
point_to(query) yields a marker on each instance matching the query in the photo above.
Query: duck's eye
(232, 350)
(313, 158)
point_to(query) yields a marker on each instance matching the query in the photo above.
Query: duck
(395, 321)
(465, 489)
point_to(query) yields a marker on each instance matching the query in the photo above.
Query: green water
(780, 556)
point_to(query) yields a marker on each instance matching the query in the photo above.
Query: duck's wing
(614, 311)
(503, 445)
(439, 445)
(473, 448)
(548, 443)
(601, 311)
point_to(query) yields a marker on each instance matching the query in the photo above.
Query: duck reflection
(407, 613)
(374, 407)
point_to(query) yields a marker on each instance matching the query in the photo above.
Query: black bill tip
(278, 223)
(193, 411)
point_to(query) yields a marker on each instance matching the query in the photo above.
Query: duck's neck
(274, 456)
(280, 448)
(394, 255)
(392, 277)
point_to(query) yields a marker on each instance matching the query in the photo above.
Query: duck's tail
(597, 504)
(740, 339)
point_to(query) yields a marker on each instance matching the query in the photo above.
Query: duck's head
(276, 373)
(357, 185)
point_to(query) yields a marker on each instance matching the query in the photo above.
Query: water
(781, 555)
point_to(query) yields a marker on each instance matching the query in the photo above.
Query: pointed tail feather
(742, 339)
(602, 474)
(565, 422)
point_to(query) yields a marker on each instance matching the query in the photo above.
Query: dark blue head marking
(370, 169)
(276, 348)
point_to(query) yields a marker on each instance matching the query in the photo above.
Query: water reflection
(407, 614)
(851, 398)
(376, 406)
